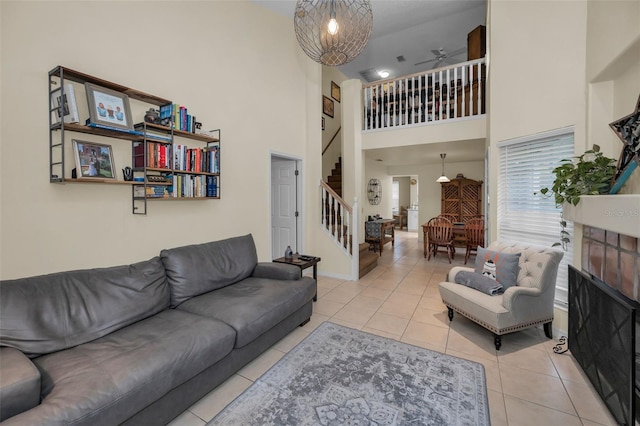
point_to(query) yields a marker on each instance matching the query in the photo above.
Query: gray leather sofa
(138, 344)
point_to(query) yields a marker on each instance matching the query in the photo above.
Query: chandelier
(333, 32)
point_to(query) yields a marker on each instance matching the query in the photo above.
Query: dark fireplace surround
(604, 299)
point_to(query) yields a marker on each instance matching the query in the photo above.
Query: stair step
(368, 262)
(334, 178)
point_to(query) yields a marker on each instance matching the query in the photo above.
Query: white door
(284, 211)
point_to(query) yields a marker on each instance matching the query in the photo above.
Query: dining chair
(474, 233)
(440, 234)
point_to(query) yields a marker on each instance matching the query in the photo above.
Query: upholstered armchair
(526, 304)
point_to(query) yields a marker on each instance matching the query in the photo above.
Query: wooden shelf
(74, 127)
(79, 77)
(99, 180)
(151, 142)
(177, 198)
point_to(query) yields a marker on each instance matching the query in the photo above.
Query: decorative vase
(288, 253)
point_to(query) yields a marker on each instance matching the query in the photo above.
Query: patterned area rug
(341, 376)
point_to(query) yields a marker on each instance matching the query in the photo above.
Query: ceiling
(412, 28)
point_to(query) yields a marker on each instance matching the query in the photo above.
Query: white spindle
(405, 101)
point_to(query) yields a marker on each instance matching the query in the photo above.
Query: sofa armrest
(516, 299)
(277, 271)
(451, 276)
(19, 383)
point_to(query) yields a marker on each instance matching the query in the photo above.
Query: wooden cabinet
(477, 43)
(166, 163)
(462, 198)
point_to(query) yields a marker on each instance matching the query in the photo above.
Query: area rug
(342, 376)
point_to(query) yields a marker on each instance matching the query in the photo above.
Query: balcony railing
(437, 95)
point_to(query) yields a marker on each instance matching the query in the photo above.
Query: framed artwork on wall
(327, 106)
(108, 107)
(335, 91)
(93, 160)
(322, 123)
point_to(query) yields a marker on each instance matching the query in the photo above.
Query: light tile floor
(527, 383)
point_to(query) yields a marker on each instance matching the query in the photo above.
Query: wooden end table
(303, 264)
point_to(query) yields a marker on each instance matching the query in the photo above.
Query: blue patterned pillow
(502, 267)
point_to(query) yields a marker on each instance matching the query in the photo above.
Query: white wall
(541, 82)
(536, 74)
(210, 56)
(332, 125)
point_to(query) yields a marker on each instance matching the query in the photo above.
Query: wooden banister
(331, 141)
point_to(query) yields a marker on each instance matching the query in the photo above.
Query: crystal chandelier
(333, 32)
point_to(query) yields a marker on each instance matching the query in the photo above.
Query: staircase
(368, 259)
(335, 180)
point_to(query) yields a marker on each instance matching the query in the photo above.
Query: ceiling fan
(442, 55)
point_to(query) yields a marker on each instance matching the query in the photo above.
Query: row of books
(185, 186)
(180, 117)
(196, 160)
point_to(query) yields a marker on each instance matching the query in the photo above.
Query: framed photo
(327, 106)
(322, 123)
(94, 160)
(108, 107)
(64, 105)
(335, 91)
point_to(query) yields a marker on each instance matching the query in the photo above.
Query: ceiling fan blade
(437, 64)
(425, 62)
(457, 52)
(437, 52)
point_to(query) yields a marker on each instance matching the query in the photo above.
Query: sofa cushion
(200, 268)
(503, 267)
(106, 381)
(479, 282)
(253, 305)
(19, 383)
(48, 313)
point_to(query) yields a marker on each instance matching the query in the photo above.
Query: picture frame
(94, 160)
(335, 91)
(108, 107)
(64, 105)
(327, 106)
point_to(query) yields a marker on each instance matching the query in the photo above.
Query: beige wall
(236, 65)
(330, 157)
(581, 68)
(536, 74)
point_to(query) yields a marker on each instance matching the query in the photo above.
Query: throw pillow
(479, 282)
(503, 267)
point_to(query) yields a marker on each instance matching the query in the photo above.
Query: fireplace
(604, 319)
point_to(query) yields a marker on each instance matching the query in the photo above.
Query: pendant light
(333, 32)
(443, 178)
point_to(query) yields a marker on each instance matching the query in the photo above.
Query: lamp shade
(443, 178)
(333, 32)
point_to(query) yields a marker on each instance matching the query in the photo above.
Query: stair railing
(331, 141)
(338, 219)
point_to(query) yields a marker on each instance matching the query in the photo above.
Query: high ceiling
(408, 28)
(412, 29)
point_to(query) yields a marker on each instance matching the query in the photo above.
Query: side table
(303, 264)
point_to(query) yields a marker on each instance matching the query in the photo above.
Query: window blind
(526, 166)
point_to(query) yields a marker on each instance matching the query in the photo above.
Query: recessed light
(383, 74)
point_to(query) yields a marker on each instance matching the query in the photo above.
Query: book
(64, 105)
(102, 126)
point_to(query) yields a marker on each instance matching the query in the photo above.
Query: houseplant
(588, 174)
